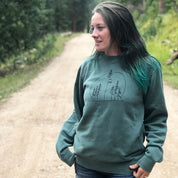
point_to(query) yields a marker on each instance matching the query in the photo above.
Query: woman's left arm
(154, 122)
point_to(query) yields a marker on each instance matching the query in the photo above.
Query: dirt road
(30, 121)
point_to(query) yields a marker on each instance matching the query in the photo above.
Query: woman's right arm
(65, 140)
(67, 133)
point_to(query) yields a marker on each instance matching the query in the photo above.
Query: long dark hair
(125, 34)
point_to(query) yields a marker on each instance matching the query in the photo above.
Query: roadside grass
(162, 54)
(18, 79)
(167, 30)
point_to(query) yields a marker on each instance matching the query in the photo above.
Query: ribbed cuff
(146, 163)
(68, 157)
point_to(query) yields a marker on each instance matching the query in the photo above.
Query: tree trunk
(143, 2)
(74, 23)
(161, 6)
(172, 58)
(74, 19)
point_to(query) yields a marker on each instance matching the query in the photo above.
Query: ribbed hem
(114, 168)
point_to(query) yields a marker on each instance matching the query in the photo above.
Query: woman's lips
(97, 42)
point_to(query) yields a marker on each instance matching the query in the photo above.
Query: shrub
(150, 32)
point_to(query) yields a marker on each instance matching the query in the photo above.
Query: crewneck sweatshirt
(112, 117)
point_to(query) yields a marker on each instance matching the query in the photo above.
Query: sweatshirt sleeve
(65, 140)
(154, 122)
(68, 130)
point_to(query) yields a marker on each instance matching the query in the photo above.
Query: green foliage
(12, 82)
(30, 56)
(23, 22)
(135, 14)
(62, 16)
(166, 27)
(149, 32)
(171, 5)
(73, 15)
(125, 2)
(152, 9)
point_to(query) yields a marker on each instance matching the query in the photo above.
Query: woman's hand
(141, 173)
(74, 159)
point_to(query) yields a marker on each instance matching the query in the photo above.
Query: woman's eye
(100, 28)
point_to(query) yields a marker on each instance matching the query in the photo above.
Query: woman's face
(102, 37)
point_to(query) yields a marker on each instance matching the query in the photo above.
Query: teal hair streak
(141, 71)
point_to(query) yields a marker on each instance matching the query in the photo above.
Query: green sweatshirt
(112, 118)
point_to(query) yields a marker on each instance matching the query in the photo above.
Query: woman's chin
(99, 49)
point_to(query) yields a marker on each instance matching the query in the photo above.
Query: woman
(119, 101)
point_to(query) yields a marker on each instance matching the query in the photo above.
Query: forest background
(33, 32)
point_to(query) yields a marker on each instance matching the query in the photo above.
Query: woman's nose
(94, 33)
